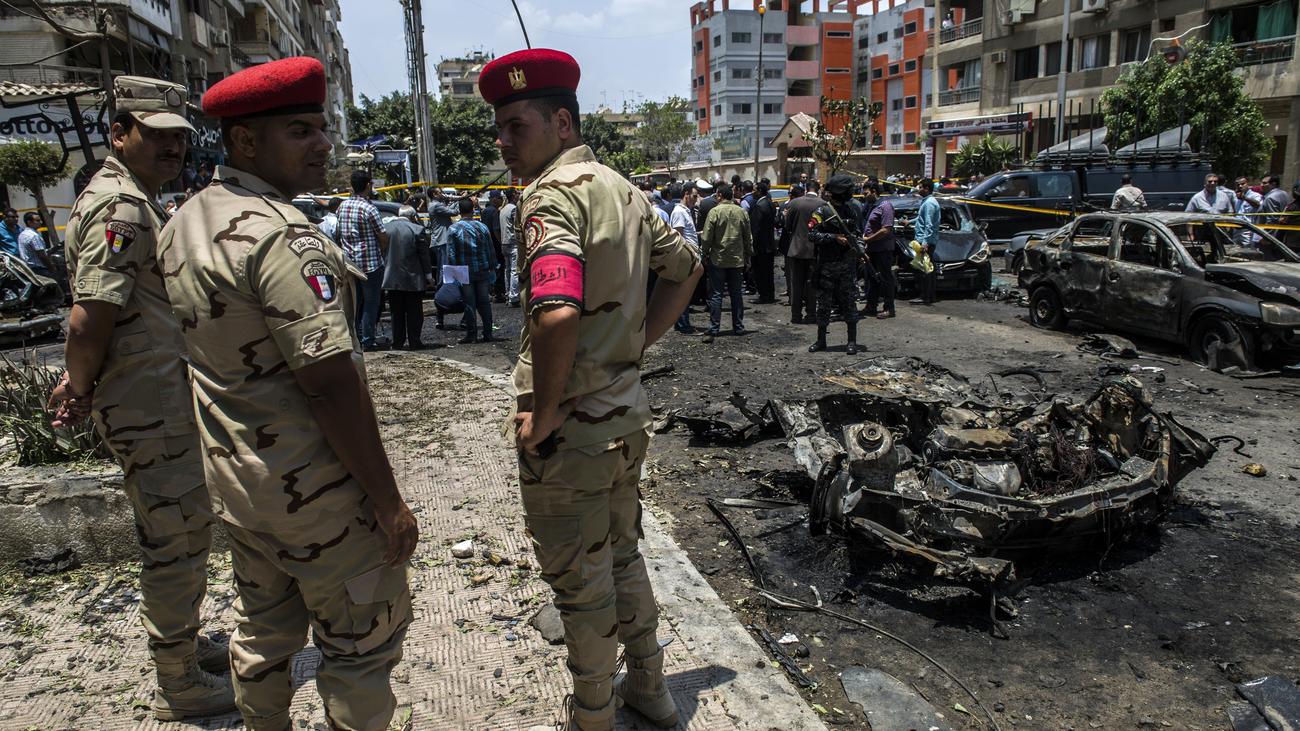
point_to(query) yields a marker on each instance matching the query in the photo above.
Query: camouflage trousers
(173, 522)
(837, 287)
(333, 580)
(583, 512)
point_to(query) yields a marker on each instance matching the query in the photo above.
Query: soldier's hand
(532, 428)
(69, 407)
(402, 532)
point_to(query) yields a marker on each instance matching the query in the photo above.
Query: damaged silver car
(1227, 290)
(909, 460)
(29, 302)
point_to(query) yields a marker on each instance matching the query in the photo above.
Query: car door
(1143, 281)
(1084, 259)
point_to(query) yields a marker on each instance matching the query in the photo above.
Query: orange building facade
(893, 52)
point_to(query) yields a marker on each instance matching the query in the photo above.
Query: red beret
(288, 86)
(536, 72)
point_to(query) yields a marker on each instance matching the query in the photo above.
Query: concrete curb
(757, 699)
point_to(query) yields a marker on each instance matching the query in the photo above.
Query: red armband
(556, 278)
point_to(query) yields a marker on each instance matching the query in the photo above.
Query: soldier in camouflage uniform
(124, 364)
(587, 242)
(319, 532)
(835, 229)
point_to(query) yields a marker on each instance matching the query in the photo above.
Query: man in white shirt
(683, 221)
(31, 246)
(1212, 199)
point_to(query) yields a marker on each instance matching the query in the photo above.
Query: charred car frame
(1225, 289)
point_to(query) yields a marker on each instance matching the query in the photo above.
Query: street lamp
(758, 99)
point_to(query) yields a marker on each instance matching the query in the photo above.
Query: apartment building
(1002, 63)
(458, 77)
(807, 52)
(892, 47)
(52, 85)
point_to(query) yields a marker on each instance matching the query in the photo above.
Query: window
(717, 41)
(839, 34)
(717, 110)
(910, 28)
(882, 37)
(1137, 44)
(896, 105)
(745, 108)
(909, 102)
(699, 46)
(1015, 186)
(742, 73)
(1166, 24)
(741, 38)
(1091, 236)
(701, 80)
(1094, 51)
(1052, 59)
(864, 43)
(773, 38)
(898, 32)
(772, 108)
(838, 70)
(1026, 64)
(896, 139)
(910, 138)
(909, 66)
(893, 69)
(717, 75)
(770, 73)
(1140, 244)
(877, 73)
(462, 89)
(703, 113)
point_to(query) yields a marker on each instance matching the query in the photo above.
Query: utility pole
(1060, 76)
(758, 99)
(934, 87)
(416, 74)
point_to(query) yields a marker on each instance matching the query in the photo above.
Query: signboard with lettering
(998, 124)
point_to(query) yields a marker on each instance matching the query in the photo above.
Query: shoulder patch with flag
(321, 279)
(119, 235)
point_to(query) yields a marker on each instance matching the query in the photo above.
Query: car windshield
(1225, 242)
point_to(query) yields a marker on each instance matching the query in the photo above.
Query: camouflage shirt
(259, 292)
(591, 215)
(112, 234)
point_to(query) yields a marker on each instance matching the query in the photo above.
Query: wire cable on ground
(789, 603)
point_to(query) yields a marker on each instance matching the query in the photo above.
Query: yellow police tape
(1074, 214)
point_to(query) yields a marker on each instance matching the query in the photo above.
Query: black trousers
(803, 288)
(884, 285)
(408, 317)
(929, 285)
(765, 276)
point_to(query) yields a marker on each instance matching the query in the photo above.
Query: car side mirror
(982, 225)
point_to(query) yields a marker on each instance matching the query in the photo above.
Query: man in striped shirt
(469, 244)
(361, 232)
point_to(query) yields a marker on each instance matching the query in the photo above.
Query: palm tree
(988, 155)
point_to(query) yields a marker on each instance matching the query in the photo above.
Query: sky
(629, 50)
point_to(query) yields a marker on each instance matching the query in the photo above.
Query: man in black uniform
(835, 231)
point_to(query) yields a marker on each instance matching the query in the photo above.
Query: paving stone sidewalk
(72, 653)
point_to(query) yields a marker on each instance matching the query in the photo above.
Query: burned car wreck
(29, 302)
(1225, 289)
(912, 463)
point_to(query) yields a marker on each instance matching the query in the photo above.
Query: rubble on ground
(29, 303)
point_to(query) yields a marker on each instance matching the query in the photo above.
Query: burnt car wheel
(1218, 342)
(1045, 309)
(1017, 263)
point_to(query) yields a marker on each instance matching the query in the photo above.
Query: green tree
(1204, 91)
(987, 155)
(610, 145)
(666, 131)
(34, 166)
(843, 126)
(464, 138)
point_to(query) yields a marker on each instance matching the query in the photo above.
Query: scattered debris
(791, 667)
(888, 703)
(464, 549)
(918, 466)
(1255, 469)
(50, 561)
(727, 422)
(547, 623)
(1275, 700)
(29, 302)
(1104, 344)
(789, 638)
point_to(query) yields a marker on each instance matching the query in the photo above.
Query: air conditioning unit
(1094, 6)
(1013, 17)
(220, 38)
(198, 68)
(998, 57)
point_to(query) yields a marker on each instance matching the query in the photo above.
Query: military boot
(213, 656)
(643, 688)
(852, 348)
(820, 345)
(186, 691)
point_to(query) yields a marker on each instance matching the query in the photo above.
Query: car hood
(957, 245)
(1272, 281)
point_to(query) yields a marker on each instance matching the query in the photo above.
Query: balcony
(965, 30)
(953, 97)
(803, 35)
(802, 70)
(1271, 50)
